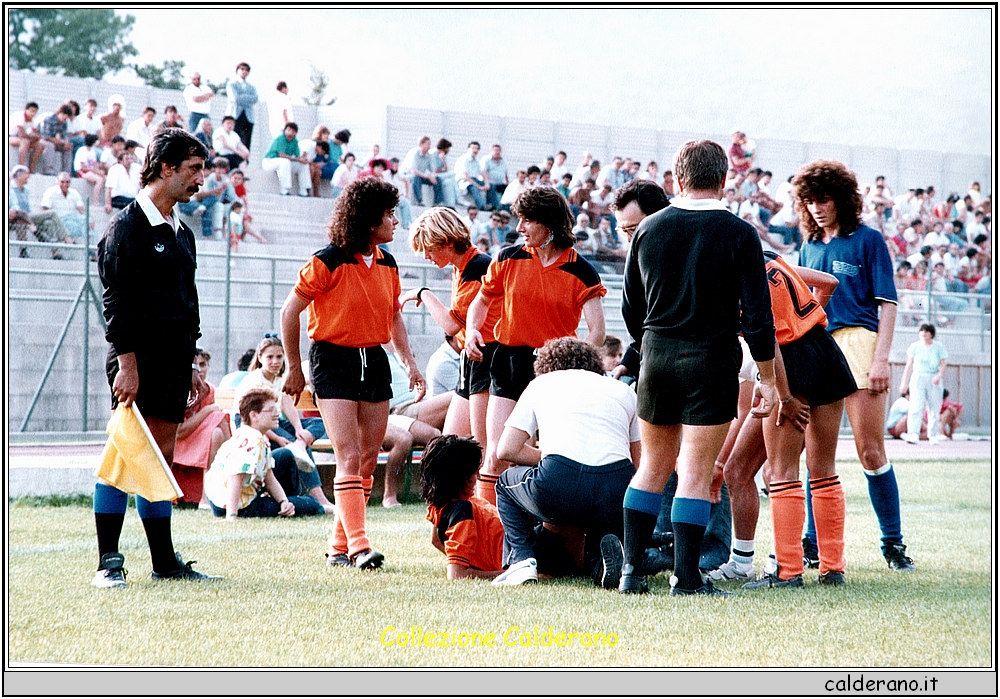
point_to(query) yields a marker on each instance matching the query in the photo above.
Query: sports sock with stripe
(486, 487)
(689, 517)
(350, 497)
(810, 519)
(155, 517)
(640, 509)
(110, 505)
(829, 505)
(884, 494)
(787, 514)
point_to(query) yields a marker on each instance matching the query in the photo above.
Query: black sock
(109, 530)
(638, 534)
(687, 551)
(161, 545)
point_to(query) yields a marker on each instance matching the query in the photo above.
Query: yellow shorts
(858, 346)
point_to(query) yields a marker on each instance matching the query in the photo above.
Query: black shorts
(473, 376)
(511, 370)
(164, 380)
(692, 383)
(816, 368)
(350, 373)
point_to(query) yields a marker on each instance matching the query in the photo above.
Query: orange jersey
(796, 311)
(539, 303)
(350, 303)
(466, 281)
(471, 533)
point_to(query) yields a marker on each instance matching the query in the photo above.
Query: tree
(79, 43)
(320, 82)
(169, 76)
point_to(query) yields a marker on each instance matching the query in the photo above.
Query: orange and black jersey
(796, 311)
(466, 281)
(539, 303)
(471, 533)
(350, 303)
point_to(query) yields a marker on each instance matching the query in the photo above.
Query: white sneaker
(937, 439)
(302, 459)
(733, 570)
(910, 438)
(522, 572)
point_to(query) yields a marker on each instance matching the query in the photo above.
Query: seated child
(240, 227)
(242, 481)
(611, 353)
(467, 528)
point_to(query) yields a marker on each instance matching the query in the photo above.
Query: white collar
(152, 213)
(698, 204)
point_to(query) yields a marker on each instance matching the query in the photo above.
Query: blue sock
(691, 511)
(108, 500)
(643, 501)
(689, 517)
(884, 494)
(152, 510)
(810, 520)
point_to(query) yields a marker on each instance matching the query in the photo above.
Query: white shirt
(225, 142)
(91, 125)
(278, 103)
(123, 183)
(108, 157)
(587, 417)
(192, 91)
(557, 171)
(85, 159)
(66, 205)
(17, 119)
(935, 239)
(442, 370)
(307, 147)
(139, 132)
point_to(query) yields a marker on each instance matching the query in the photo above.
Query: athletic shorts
(511, 370)
(350, 373)
(474, 377)
(691, 383)
(858, 346)
(816, 368)
(164, 380)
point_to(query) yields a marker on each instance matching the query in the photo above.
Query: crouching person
(242, 480)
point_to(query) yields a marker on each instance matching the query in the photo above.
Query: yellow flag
(132, 461)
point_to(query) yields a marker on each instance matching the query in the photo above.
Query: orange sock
(788, 514)
(350, 496)
(366, 485)
(829, 506)
(486, 488)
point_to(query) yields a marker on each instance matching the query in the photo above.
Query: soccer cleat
(368, 560)
(910, 438)
(519, 573)
(810, 554)
(338, 560)
(707, 589)
(772, 580)
(657, 560)
(631, 583)
(111, 572)
(732, 570)
(896, 558)
(185, 572)
(612, 558)
(831, 577)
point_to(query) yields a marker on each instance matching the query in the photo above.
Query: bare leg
(497, 411)
(457, 420)
(746, 459)
(399, 442)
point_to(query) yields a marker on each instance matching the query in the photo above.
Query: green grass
(280, 606)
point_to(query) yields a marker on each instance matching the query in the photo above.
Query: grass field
(279, 605)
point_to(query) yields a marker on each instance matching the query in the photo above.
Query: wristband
(422, 290)
(786, 401)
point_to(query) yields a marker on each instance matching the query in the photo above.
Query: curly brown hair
(359, 209)
(545, 205)
(825, 180)
(447, 464)
(564, 353)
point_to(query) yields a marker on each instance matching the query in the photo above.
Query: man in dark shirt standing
(691, 270)
(146, 261)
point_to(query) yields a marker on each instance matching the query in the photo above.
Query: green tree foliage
(320, 82)
(169, 76)
(79, 43)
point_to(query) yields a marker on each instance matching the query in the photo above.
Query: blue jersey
(862, 265)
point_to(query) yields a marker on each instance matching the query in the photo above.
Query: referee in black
(146, 261)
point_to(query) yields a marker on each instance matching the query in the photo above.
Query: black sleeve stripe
(333, 257)
(582, 270)
(452, 514)
(514, 252)
(387, 261)
(476, 269)
(769, 255)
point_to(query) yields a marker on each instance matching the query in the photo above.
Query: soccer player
(862, 317)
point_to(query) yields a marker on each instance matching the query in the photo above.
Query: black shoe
(896, 558)
(707, 589)
(185, 572)
(831, 577)
(810, 554)
(657, 560)
(632, 584)
(339, 559)
(772, 580)
(23, 253)
(111, 572)
(662, 539)
(612, 558)
(368, 560)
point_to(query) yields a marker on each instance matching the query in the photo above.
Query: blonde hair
(436, 228)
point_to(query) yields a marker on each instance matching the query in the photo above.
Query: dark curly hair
(564, 353)
(169, 146)
(446, 466)
(825, 180)
(359, 209)
(545, 205)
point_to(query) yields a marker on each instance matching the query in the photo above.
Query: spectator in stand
(307, 146)
(402, 184)
(420, 167)
(603, 200)
(123, 182)
(470, 177)
(45, 226)
(941, 283)
(580, 202)
(113, 121)
(444, 193)
(477, 229)
(241, 97)
(109, 154)
(172, 118)
(345, 173)
(87, 166)
(591, 174)
(585, 236)
(68, 205)
(204, 134)
(583, 171)
(141, 130)
(973, 228)
(606, 245)
(279, 109)
(559, 167)
(495, 232)
(545, 179)
(750, 211)
(284, 158)
(229, 144)
(936, 237)
(513, 189)
(875, 218)
(612, 174)
(239, 228)
(563, 185)
(534, 175)
(82, 125)
(668, 184)
(239, 179)
(57, 154)
(203, 203)
(975, 192)
(198, 99)
(738, 158)
(340, 139)
(495, 170)
(651, 173)
(376, 168)
(784, 226)
(730, 202)
(443, 367)
(926, 359)
(218, 180)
